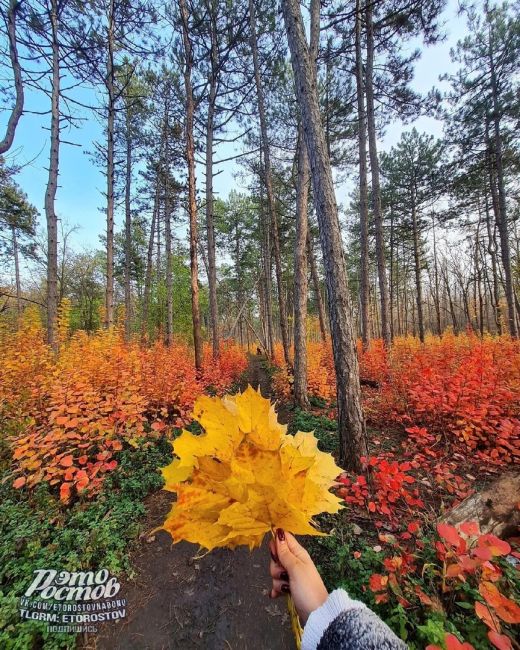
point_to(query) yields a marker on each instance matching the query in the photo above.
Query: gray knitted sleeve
(343, 623)
(359, 629)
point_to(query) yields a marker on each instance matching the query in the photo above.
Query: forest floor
(178, 599)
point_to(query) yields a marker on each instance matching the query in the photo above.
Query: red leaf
(490, 594)
(470, 528)
(19, 482)
(65, 491)
(500, 641)
(371, 506)
(413, 527)
(483, 552)
(485, 615)
(452, 643)
(494, 544)
(66, 461)
(508, 611)
(377, 582)
(449, 533)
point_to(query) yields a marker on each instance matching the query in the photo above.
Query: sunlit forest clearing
(316, 199)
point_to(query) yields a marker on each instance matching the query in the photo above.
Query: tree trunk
(495, 508)
(376, 185)
(128, 228)
(492, 254)
(351, 426)
(17, 111)
(417, 265)
(436, 293)
(391, 297)
(266, 242)
(16, 271)
(364, 283)
(302, 232)
(192, 201)
(168, 229)
(210, 219)
(502, 212)
(316, 286)
(451, 304)
(264, 144)
(52, 184)
(149, 259)
(110, 85)
(300, 277)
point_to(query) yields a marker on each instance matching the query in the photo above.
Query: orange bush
(462, 387)
(68, 415)
(320, 372)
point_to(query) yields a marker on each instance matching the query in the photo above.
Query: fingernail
(284, 576)
(286, 589)
(281, 534)
(274, 557)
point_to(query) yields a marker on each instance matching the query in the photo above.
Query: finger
(277, 571)
(286, 557)
(294, 546)
(272, 550)
(281, 586)
(274, 594)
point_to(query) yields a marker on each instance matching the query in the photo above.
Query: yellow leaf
(245, 476)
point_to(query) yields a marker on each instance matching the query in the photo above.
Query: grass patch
(325, 430)
(38, 532)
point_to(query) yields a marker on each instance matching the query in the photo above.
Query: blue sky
(82, 183)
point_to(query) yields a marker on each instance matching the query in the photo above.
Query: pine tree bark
(111, 107)
(300, 277)
(17, 111)
(210, 218)
(192, 201)
(436, 293)
(417, 265)
(168, 229)
(52, 185)
(302, 231)
(451, 304)
(316, 286)
(264, 144)
(376, 184)
(128, 228)
(502, 221)
(351, 426)
(16, 271)
(149, 266)
(494, 272)
(267, 276)
(364, 297)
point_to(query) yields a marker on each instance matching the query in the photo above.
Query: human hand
(293, 571)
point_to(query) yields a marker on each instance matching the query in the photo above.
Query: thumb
(288, 549)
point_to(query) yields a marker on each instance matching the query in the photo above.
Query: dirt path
(216, 602)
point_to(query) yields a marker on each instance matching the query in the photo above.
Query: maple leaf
(245, 476)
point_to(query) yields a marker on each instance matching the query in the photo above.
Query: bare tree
(192, 201)
(17, 110)
(351, 425)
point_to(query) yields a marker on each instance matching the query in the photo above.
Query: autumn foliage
(462, 388)
(68, 415)
(467, 571)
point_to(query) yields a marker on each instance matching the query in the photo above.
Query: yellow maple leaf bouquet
(245, 475)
